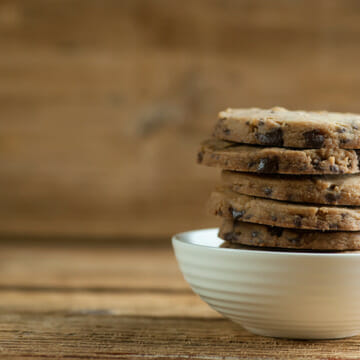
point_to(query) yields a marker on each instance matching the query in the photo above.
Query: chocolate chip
(274, 218)
(297, 220)
(268, 165)
(296, 240)
(261, 122)
(268, 191)
(237, 214)
(248, 122)
(314, 139)
(200, 157)
(355, 126)
(358, 157)
(230, 236)
(255, 234)
(226, 131)
(273, 138)
(316, 163)
(341, 130)
(331, 197)
(344, 215)
(275, 231)
(344, 141)
(332, 187)
(334, 168)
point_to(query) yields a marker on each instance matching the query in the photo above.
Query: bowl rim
(183, 238)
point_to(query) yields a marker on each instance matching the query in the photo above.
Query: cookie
(226, 203)
(271, 160)
(267, 236)
(281, 127)
(325, 189)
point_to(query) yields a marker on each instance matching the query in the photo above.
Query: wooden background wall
(103, 102)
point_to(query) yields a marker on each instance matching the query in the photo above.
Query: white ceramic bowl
(300, 295)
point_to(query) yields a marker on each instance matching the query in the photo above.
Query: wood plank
(105, 336)
(95, 269)
(103, 104)
(203, 25)
(117, 302)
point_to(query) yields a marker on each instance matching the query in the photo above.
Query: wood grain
(103, 103)
(62, 302)
(105, 336)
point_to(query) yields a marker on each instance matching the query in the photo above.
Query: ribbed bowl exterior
(279, 294)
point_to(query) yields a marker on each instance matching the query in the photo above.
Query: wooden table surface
(116, 302)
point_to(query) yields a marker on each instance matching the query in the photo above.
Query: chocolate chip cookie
(268, 236)
(226, 203)
(281, 127)
(321, 189)
(272, 160)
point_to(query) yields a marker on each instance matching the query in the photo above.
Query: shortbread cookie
(281, 127)
(226, 203)
(238, 232)
(271, 160)
(321, 189)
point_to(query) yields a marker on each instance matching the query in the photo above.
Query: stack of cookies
(290, 179)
